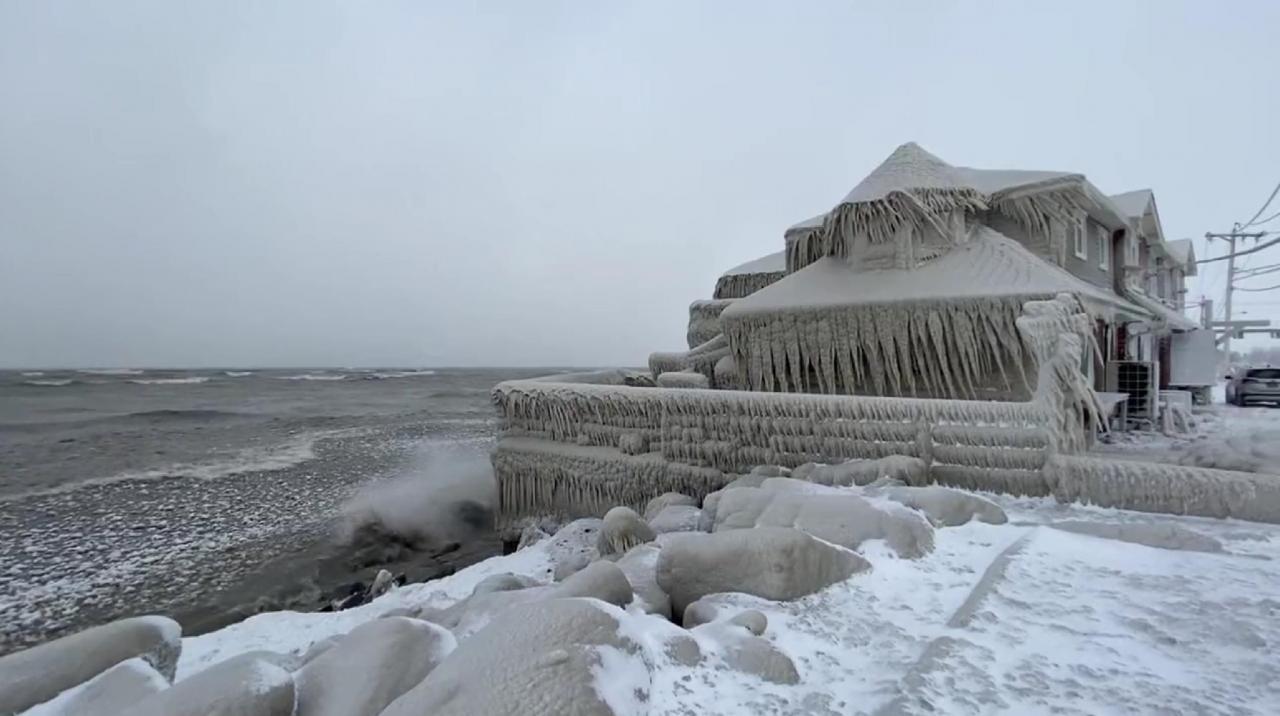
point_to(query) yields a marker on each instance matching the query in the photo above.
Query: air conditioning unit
(1140, 381)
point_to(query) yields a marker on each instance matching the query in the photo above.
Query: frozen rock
(677, 518)
(240, 686)
(531, 659)
(946, 506)
(744, 650)
(752, 620)
(601, 580)
(372, 666)
(770, 470)
(113, 691)
(530, 535)
(383, 583)
(665, 500)
(836, 516)
(908, 470)
(42, 672)
(574, 546)
(640, 566)
(683, 379)
(622, 530)
(1149, 534)
(772, 562)
(700, 612)
(712, 500)
(323, 645)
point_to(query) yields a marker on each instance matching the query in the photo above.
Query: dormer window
(1101, 237)
(1078, 241)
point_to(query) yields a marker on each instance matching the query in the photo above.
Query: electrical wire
(1250, 222)
(1268, 288)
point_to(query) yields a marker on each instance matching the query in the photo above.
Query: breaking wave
(400, 374)
(171, 381)
(313, 376)
(237, 373)
(256, 459)
(112, 371)
(51, 383)
(32, 373)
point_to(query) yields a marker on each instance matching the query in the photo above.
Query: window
(1078, 243)
(1104, 247)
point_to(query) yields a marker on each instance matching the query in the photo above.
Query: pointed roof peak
(909, 167)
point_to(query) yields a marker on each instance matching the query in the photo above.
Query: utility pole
(1231, 238)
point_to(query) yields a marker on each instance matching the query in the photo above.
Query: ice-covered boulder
(771, 471)
(371, 667)
(240, 686)
(908, 470)
(739, 644)
(573, 546)
(665, 500)
(676, 518)
(771, 562)
(114, 691)
(622, 530)
(1162, 536)
(945, 506)
(640, 566)
(42, 672)
(683, 379)
(601, 580)
(532, 659)
(837, 516)
(702, 611)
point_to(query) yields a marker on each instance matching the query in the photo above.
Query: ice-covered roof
(1133, 204)
(1183, 252)
(1164, 314)
(989, 264)
(806, 225)
(909, 168)
(991, 181)
(775, 262)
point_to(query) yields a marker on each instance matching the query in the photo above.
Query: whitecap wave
(313, 376)
(112, 371)
(32, 373)
(401, 374)
(256, 459)
(171, 381)
(237, 373)
(49, 383)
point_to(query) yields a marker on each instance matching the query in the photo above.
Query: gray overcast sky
(540, 183)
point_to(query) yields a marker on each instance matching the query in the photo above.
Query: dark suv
(1254, 385)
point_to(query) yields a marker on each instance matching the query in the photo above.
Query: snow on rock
(676, 518)
(622, 530)
(772, 562)
(665, 500)
(1013, 617)
(842, 517)
(534, 658)
(370, 667)
(242, 685)
(111, 692)
(38, 674)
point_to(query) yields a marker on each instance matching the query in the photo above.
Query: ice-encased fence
(577, 446)
(573, 449)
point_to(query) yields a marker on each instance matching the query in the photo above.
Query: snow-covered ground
(1225, 437)
(1015, 618)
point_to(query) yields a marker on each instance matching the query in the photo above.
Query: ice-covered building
(953, 315)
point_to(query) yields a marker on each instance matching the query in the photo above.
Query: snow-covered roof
(989, 264)
(809, 224)
(991, 181)
(1183, 252)
(775, 262)
(1133, 204)
(909, 169)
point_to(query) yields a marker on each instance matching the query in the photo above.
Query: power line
(1260, 222)
(1237, 254)
(1269, 268)
(1268, 288)
(1275, 191)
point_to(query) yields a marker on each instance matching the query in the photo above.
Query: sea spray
(443, 496)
